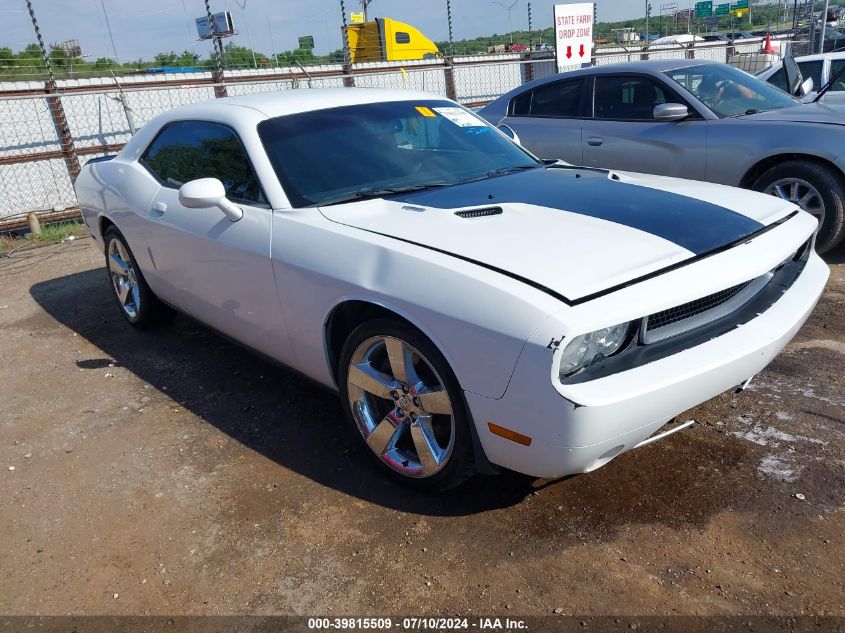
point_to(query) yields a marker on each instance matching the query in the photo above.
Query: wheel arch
(761, 166)
(104, 224)
(349, 313)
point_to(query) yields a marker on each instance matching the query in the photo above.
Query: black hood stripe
(595, 295)
(693, 224)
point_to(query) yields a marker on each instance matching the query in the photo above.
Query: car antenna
(829, 84)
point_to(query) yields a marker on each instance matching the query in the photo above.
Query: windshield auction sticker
(459, 117)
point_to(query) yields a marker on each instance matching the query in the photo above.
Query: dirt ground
(173, 473)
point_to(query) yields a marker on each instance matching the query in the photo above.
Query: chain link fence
(45, 139)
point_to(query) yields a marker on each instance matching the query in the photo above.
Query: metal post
(348, 81)
(449, 19)
(57, 112)
(824, 23)
(126, 109)
(530, 37)
(219, 91)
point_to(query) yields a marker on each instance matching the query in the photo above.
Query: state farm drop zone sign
(574, 34)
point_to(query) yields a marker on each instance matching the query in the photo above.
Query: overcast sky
(143, 28)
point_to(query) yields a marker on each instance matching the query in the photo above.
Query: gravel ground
(173, 473)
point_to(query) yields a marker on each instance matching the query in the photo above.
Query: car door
(214, 269)
(622, 134)
(548, 119)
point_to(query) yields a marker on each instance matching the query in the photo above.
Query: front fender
(479, 319)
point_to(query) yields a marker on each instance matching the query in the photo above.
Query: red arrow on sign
(568, 52)
(581, 51)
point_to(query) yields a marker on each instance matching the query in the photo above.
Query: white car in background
(474, 306)
(820, 68)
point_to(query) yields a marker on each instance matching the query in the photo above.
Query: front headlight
(586, 349)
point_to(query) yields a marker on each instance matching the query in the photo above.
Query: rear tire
(137, 303)
(403, 401)
(817, 189)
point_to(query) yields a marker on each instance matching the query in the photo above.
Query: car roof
(654, 66)
(284, 102)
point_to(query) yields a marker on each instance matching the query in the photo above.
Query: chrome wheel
(799, 192)
(401, 406)
(124, 279)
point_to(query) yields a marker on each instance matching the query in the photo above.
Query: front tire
(405, 404)
(815, 188)
(137, 303)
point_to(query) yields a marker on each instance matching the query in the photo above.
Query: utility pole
(689, 16)
(508, 8)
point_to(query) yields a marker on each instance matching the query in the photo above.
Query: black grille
(479, 213)
(687, 310)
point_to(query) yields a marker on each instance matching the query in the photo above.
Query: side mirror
(670, 112)
(806, 88)
(793, 76)
(508, 131)
(205, 193)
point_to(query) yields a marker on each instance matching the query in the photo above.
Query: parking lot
(173, 473)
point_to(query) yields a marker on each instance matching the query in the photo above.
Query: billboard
(221, 22)
(574, 34)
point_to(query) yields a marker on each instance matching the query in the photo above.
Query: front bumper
(579, 427)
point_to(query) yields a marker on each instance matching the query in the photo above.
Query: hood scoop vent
(478, 213)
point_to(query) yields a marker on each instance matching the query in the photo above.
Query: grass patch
(49, 234)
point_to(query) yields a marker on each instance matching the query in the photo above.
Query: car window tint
(188, 150)
(814, 70)
(322, 155)
(560, 99)
(521, 104)
(403, 38)
(835, 67)
(778, 79)
(627, 98)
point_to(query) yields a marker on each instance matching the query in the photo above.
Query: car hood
(573, 231)
(805, 113)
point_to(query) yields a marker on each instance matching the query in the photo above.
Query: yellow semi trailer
(384, 39)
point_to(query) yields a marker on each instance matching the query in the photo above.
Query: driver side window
(628, 98)
(187, 150)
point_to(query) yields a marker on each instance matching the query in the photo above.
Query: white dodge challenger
(475, 307)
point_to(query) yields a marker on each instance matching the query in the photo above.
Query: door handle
(595, 141)
(159, 207)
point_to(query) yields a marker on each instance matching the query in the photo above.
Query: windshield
(728, 91)
(340, 154)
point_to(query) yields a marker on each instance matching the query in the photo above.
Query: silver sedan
(689, 119)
